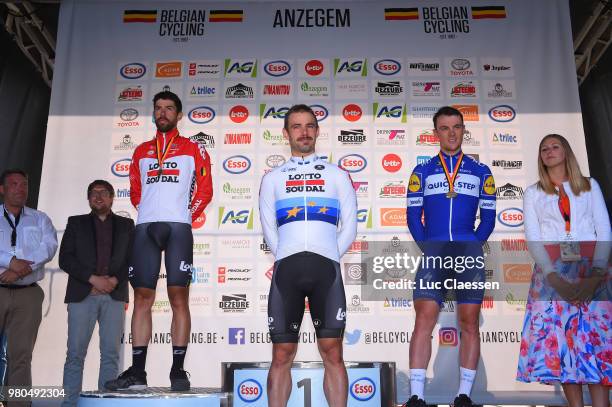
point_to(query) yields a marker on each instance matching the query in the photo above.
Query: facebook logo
(236, 336)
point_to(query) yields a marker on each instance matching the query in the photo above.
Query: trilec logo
(387, 67)
(237, 164)
(277, 68)
(239, 114)
(352, 163)
(121, 167)
(249, 390)
(511, 217)
(133, 70)
(363, 389)
(320, 112)
(502, 113)
(352, 112)
(201, 115)
(392, 162)
(314, 67)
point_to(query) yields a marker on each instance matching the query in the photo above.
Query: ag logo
(249, 390)
(363, 389)
(389, 113)
(414, 185)
(271, 113)
(489, 185)
(235, 217)
(350, 67)
(242, 68)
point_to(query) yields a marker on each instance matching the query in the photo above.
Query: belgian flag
(140, 16)
(479, 13)
(402, 13)
(226, 16)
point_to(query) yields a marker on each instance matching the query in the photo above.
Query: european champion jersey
(451, 219)
(308, 204)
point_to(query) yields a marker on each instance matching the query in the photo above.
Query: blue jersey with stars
(308, 204)
(451, 219)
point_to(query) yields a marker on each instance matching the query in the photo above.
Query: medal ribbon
(564, 207)
(451, 177)
(161, 156)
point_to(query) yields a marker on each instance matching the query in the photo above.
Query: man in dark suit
(95, 253)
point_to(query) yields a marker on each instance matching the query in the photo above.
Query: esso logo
(121, 168)
(511, 217)
(133, 70)
(392, 163)
(502, 113)
(249, 390)
(352, 163)
(277, 68)
(314, 67)
(238, 114)
(201, 115)
(237, 164)
(199, 221)
(363, 389)
(320, 112)
(352, 112)
(387, 67)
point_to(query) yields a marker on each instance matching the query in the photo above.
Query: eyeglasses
(99, 194)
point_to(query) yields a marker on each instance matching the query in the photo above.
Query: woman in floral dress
(567, 332)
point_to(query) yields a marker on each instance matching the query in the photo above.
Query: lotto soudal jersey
(451, 218)
(308, 204)
(179, 190)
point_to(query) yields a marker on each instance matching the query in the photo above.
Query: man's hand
(113, 280)
(587, 288)
(101, 283)
(9, 277)
(20, 266)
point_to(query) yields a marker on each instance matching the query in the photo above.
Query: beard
(165, 127)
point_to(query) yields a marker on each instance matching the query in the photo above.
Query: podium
(371, 384)
(155, 397)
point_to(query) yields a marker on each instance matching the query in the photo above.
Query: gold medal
(161, 155)
(451, 177)
(159, 172)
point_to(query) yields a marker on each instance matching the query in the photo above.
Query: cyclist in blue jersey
(308, 211)
(447, 191)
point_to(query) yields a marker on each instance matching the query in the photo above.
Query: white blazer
(589, 221)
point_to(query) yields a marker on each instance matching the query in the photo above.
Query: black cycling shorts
(150, 239)
(304, 275)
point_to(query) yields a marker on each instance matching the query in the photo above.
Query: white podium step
(155, 397)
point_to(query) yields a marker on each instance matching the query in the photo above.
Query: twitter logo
(351, 338)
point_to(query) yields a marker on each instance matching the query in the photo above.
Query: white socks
(467, 380)
(417, 383)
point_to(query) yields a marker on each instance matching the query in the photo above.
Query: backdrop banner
(374, 72)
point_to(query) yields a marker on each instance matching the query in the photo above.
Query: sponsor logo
(504, 139)
(318, 89)
(424, 67)
(352, 137)
(391, 163)
(199, 221)
(469, 139)
(203, 91)
(277, 68)
(391, 137)
(422, 159)
(423, 112)
(350, 67)
(511, 217)
(237, 164)
(235, 217)
(507, 164)
(502, 113)
(275, 138)
(393, 217)
(393, 189)
(314, 67)
(461, 67)
(234, 303)
(361, 188)
(172, 69)
(128, 115)
(363, 389)
(121, 167)
(275, 160)
(181, 24)
(446, 21)
(238, 114)
(320, 112)
(236, 336)
(312, 17)
(426, 88)
(427, 138)
(414, 184)
(469, 112)
(272, 113)
(240, 68)
(495, 68)
(279, 89)
(365, 216)
(389, 88)
(514, 245)
(353, 163)
(463, 90)
(239, 91)
(354, 273)
(499, 91)
(489, 185)
(125, 143)
(205, 139)
(447, 336)
(201, 115)
(395, 113)
(387, 67)
(517, 273)
(237, 138)
(249, 390)
(133, 70)
(130, 94)
(352, 112)
(203, 69)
